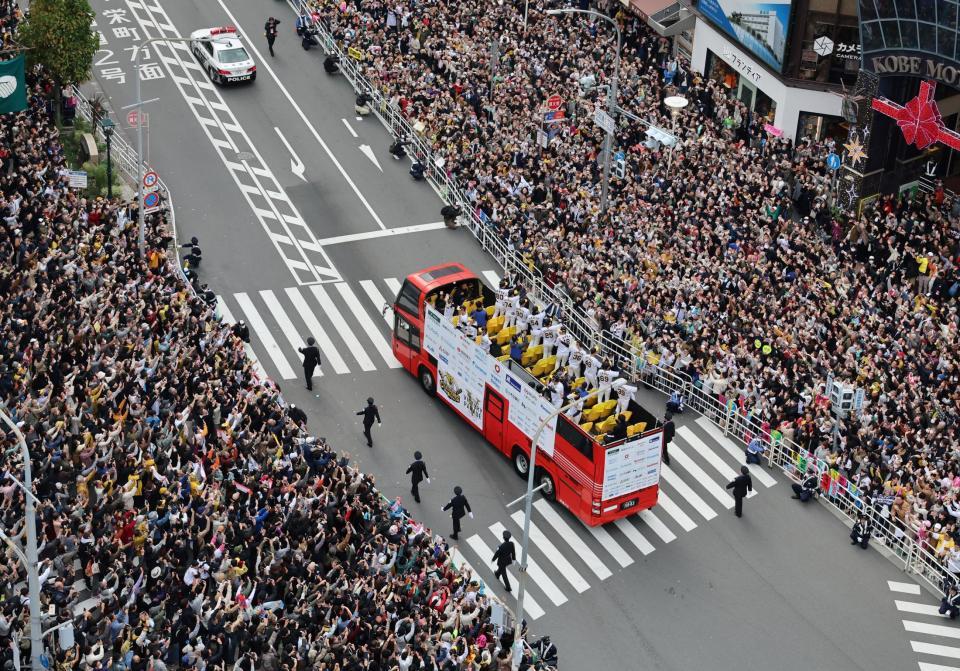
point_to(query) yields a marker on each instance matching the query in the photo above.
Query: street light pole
(31, 559)
(107, 125)
(528, 511)
(611, 101)
(675, 103)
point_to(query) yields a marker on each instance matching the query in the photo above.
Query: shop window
(905, 9)
(945, 42)
(891, 33)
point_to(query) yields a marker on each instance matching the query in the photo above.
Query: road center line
(349, 127)
(385, 233)
(262, 62)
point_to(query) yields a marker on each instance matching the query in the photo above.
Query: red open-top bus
(596, 480)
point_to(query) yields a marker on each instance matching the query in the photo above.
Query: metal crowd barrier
(737, 424)
(835, 490)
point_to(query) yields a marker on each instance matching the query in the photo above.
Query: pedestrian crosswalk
(567, 558)
(350, 321)
(934, 637)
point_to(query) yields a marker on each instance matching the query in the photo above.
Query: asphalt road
(688, 587)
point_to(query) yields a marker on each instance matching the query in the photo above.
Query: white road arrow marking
(365, 148)
(296, 165)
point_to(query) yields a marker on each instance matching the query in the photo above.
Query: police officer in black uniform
(418, 473)
(505, 555)
(270, 31)
(311, 359)
(369, 413)
(459, 507)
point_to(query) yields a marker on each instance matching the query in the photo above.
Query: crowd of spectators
(726, 263)
(186, 517)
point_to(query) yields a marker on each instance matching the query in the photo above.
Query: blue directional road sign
(833, 161)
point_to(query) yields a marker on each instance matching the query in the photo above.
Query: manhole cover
(244, 156)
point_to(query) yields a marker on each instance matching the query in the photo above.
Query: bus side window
(409, 299)
(577, 440)
(407, 333)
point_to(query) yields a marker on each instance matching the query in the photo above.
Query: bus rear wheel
(427, 381)
(521, 463)
(549, 490)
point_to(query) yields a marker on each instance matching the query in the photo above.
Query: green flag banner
(13, 88)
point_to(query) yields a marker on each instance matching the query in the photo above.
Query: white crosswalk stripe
(671, 477)
(935, 649)
(637, 538)
(610, 545)
(711, 457)
(904, 587)
(572, 539)
(529, 603)
(373, 333)
(259, 327)
(736, 452)
(393, 284)
(938, 626)
(691, 467)
(917, 608)
(377, 298)
(553, 554)
(932, 629)
(343, 329)
(657, 526)
(289, 331)
(546, 585)
(330, 353)
(674, 511)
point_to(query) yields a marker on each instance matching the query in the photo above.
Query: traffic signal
(619, 168)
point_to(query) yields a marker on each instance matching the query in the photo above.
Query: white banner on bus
(463, 371)
(527, 407)
(633, 466)
(461, 366)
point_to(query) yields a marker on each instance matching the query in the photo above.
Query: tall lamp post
(675, 103)
(528, 511)
(29, 558)
(611, 100)
(107, 125)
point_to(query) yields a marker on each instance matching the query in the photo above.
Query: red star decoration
(919, 119)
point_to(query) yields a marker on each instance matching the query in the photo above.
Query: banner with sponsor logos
(463, 371)
(633, 466)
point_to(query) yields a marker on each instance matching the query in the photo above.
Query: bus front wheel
(521, 463)
(549, 490)
(427, 381)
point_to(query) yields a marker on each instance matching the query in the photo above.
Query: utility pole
(611, 101)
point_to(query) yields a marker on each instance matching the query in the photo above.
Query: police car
(222, 55)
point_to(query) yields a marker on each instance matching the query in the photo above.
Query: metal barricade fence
(834, 490)
(728, 417)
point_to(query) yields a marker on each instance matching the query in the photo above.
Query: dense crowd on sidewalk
(728, 266)
(186, 517)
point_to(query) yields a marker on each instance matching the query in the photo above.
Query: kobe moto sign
(13, 90)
